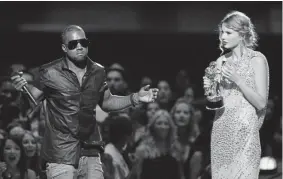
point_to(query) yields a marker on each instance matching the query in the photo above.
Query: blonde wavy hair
(242, 24)
(192, 127)
(148, 148)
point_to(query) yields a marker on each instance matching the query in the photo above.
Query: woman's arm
(257, 98)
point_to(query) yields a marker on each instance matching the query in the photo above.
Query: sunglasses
(73, 43)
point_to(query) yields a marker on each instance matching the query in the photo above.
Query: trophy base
(214, 105)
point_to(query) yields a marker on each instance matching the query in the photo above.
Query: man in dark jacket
(72, 86)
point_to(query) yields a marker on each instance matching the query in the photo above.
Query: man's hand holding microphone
(20, 83)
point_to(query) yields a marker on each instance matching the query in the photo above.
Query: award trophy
(212, 93)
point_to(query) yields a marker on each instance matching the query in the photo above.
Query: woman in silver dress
(235, 143)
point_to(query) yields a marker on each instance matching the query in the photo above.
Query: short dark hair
(70, 28)
(122, 72)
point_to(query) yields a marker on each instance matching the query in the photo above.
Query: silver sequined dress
(235, 143)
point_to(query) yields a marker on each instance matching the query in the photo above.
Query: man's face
(115, 81)
(165, 92)
(75, 45)
(189, 94)
(8, 93)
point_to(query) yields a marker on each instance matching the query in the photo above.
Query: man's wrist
(135, 99)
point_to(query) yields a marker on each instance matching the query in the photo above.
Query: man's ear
(64, 48)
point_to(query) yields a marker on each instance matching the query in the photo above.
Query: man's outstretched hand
(147, 95)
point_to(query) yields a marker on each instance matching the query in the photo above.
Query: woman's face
(151, 109)
(230, 38)
(161, 127)
(29, 144)
(12, 153)
(182, 115)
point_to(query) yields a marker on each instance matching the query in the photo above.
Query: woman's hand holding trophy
(211, 82)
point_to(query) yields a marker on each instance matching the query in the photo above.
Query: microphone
(26, 91)
(24, 88)
(29, 95)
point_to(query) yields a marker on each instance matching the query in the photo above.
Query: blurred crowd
(168, 139)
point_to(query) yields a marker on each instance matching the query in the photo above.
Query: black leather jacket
(70, 109)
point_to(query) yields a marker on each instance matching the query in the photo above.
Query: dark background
(156, 39)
